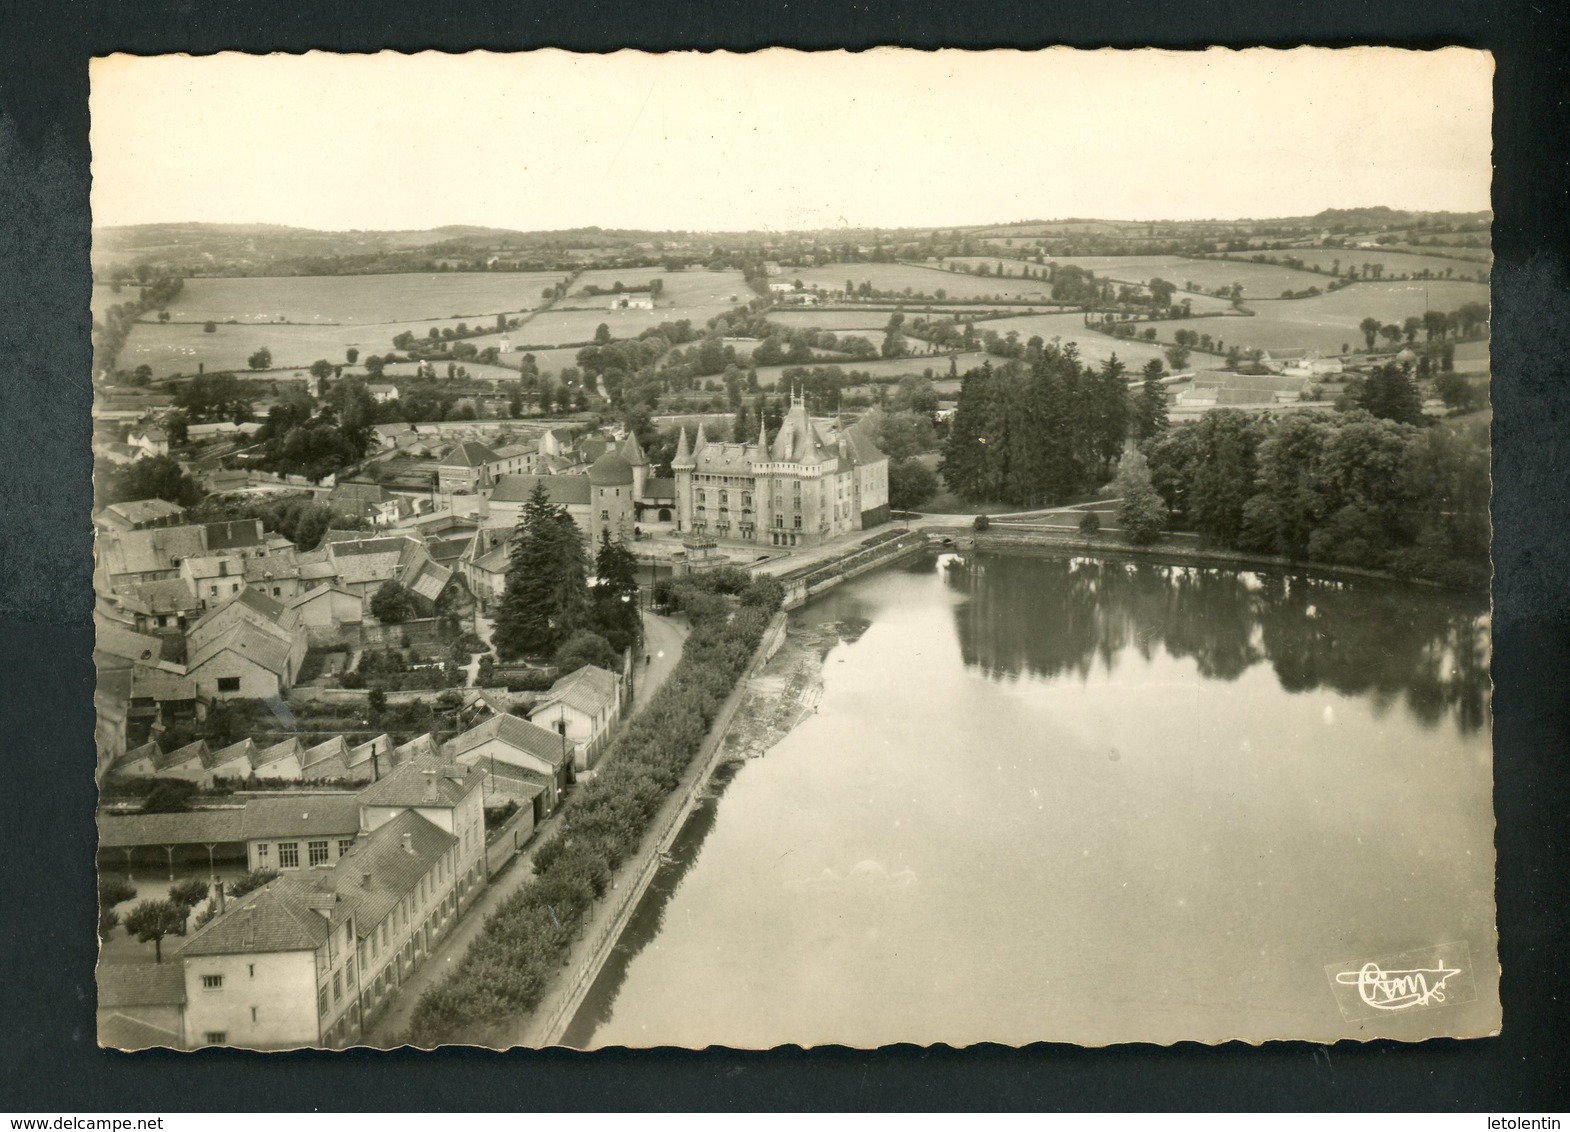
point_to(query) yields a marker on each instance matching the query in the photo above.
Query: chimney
(248, 927)
(408, 844)
(218, 895)
(365, 878)
(431, 777)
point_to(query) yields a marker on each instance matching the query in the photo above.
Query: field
(1327, 322)
(1094, 347)
(896, 277)
(177, 348)
(361, 299)
(868, 322)
(1257, 278)
(1394, 263)
(1472, 255)
(768, 376)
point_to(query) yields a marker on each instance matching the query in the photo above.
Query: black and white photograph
(792, 548)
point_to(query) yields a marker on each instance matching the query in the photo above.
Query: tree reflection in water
(1052, 616)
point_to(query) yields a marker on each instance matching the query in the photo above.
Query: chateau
(814, 482)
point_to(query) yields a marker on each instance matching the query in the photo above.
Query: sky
(781, 140)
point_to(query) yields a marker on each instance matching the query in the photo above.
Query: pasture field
(1393, 262)
(769, 376)
(1258, 279)
(177, 348)
(922, 280)
(867, 322)
(1327, 322)
(1094, 347)
(362, 299)
(1471, 255)
(476, 371)
(693, 287)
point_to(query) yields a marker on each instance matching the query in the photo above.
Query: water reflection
(1048, 617)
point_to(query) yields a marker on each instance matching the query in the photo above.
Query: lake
(1053, 798)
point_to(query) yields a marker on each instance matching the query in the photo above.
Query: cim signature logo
(1399, 989)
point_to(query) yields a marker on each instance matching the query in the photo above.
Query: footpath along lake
(1054, 798)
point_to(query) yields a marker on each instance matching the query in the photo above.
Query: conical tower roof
(763, 436)
(632, 451)
(700, 441)
(683, 457)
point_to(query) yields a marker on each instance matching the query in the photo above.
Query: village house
(503, 505)
(519, 759)
(326, 608)
(466, 468)
(362, 565)
(382, 391)
(632, 302)
(277, 575)
(252, 646)
(149, 440)
(213, 578)
(141, 1005)
(141, 515)
(584, 706)
(166, 606)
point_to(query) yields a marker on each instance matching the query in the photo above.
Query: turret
(683, 461)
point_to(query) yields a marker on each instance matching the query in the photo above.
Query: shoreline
(1005, 540)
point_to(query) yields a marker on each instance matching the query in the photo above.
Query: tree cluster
(1350, 489)
(1036, 433)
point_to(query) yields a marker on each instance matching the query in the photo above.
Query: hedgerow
(510, 965)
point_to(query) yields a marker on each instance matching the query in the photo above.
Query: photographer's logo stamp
(1423, 979)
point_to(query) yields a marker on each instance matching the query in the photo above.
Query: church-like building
(816, 481)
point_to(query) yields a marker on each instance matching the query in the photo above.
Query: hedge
(510, 965)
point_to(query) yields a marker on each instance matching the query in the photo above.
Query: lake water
(1095, 801)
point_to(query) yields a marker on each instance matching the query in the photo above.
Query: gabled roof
(326, 760)
(360, 755)
(381, 870)
(159, 685)
(120, 1031)
(515, 732)
(145, 511)
(198, 827)
(148, 752)
(428, 579)
(196, 752)
(273, 918)
(305, 815)
(277, 753)
(232, 534)
(563, 490)
(423, 781)
(140, 984)
(247, 640)
(659, 488)
(468, 454)
(156, 548)
(358, 497)
(590, 690)
(509, 451)
(114, 642)
(241, 752)
(268, 608)
(167, 595)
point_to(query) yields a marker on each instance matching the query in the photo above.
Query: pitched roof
(379, 870)
(277, 753)
(326, 760)
(119, 1031)
(159, 685)
(563, 490)
(515, 732)
(145, 510)
(423, 781)
(167, 595)
(273, 918)
(659, 488)
(306, 815)
(231, 534)
(360, 754)
(632, 451)
(149, 752)
(358, 497)
(468, 454)
(118, 643)
(192, 752)
(241, 752)
(198, 827)
(140, 984)
(590, 690)
(428, 579)
(156, 548)
(247, 640)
